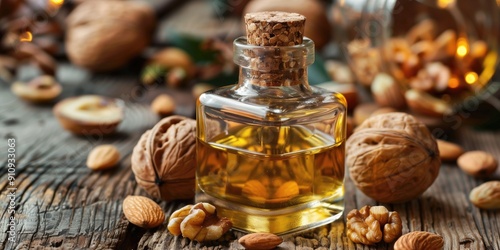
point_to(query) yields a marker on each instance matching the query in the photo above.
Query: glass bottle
(271, 148)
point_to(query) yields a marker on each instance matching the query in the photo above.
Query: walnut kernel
(203, 224)
(370, 225)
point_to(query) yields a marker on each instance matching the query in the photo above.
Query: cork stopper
(274, 28)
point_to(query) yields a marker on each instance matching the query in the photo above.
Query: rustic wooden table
(58, 203)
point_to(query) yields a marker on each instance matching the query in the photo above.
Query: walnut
(164, 159)
(104, 35)
(203, 224)
(392, 157)
(175, 220)
(371, 225)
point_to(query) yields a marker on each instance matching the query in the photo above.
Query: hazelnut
(164, 159)
(89, 114)
(40, 89)
(477, 163)
(392, 157)
(163, 105)
(172, 57)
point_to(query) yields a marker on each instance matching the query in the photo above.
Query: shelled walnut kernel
(198, 222)
(370, 225)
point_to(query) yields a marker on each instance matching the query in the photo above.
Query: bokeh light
(471, 77)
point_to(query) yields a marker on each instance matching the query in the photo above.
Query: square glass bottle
(271, 149)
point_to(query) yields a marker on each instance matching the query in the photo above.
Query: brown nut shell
(477, 163)
(89, 114)
(164, 159)
(392, 157)
(105, 35)
(163, 105)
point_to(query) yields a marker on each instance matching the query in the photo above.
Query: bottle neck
(272, 66)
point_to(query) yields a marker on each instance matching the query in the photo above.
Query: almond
(286, 191)
(419, 241)
(103, 157)
(449, 151)
(477, 163)
(261, 241)
(142, 211)
(255, 191)
(486, 195)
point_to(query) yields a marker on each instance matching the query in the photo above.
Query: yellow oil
(273, 179)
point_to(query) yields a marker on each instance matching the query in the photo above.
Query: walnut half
(370, 225)
(201, 223)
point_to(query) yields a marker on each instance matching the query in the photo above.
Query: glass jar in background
(441, 53)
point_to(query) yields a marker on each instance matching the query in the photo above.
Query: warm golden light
(26, 37)
(57, 2)
(471, 77)
(462, 47)
(453, 83)
(445, 3)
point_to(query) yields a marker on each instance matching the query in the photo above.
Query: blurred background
(435, 59)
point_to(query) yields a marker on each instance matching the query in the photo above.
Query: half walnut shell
(164, 159)
(392, 157)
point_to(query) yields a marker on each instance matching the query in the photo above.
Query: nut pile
(370, 225)
(435, 69)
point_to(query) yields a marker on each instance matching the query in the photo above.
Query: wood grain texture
(61, 204)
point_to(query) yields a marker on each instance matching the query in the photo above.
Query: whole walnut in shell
(164, 159)
(392, 157)
(105, 35)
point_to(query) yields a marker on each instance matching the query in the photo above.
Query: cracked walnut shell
(370, 225)
(392, 157)
(163, 160)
